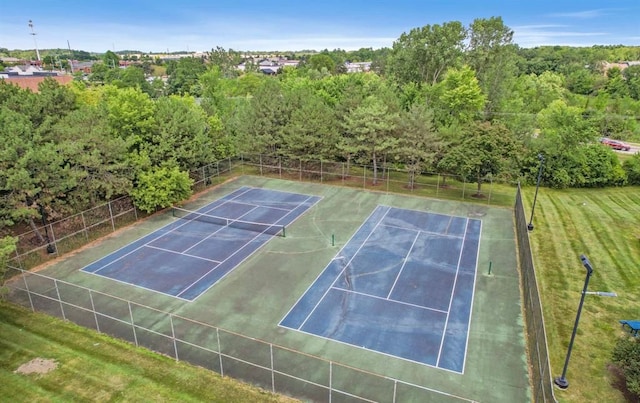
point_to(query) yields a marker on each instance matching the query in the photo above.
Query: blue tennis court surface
(403, 285)
(187, 257)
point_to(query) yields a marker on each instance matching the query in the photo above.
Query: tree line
(445, 98)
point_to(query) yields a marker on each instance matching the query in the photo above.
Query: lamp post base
(530, 227)
(561, 382)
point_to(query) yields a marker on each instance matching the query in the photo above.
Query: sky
(250, 25)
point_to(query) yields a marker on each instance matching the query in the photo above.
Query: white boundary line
(235, 193)
(379, 223)
(344, 268)
(404, 263)
(251, 254)
(453, 291)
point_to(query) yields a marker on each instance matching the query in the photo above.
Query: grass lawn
(94, 367)
(603, 224)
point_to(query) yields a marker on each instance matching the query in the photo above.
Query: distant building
(358, 67)
(28, 77)
(621, 65)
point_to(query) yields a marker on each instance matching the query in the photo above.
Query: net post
(284, 231)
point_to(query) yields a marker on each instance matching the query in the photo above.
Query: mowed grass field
(95, 367)
(603, 224)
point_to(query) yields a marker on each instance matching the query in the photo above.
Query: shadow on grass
(619, 382)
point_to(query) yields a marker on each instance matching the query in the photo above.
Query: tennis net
(265, 228)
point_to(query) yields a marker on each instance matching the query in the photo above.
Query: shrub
(626, 355)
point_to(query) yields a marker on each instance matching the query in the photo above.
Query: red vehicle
(615, 144)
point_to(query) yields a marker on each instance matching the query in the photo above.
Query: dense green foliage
(7, 247)
(448, 98)
(627, 356)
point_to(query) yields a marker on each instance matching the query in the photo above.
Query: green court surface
(252, 299)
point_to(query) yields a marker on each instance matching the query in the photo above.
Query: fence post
(95, 314)
(388, 175)
(26, 286)
(300, 169)
(133, 325)
(330, 380)
(490, 189)
(18, 258)
(395, 389)
(273, 380)
(219, 352)
(173, 337)
(53, 239)
(438, 185)
(55, 284)
(364, 177)
(113, 225)
(84, 226)
(260, 164)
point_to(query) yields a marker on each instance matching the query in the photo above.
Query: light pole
(561, 381)
(34, 39)
(541, 158)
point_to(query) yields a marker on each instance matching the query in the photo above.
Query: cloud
(587, 14)
(553, 34)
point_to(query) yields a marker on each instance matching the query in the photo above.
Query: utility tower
(34, 39)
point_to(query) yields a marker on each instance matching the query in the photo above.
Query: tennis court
(403, 285)
(429, 287)
(188, 256)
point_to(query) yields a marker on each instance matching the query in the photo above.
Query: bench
(634, 326)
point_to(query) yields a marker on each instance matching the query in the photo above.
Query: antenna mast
(34, 39)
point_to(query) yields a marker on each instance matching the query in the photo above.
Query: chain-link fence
(265, 364)
(275, 368)
(59, 237)
(537, 338)
(54, 239)
(385, 177)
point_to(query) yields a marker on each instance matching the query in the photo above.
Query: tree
(180, 135)
(632, 167)
(626, 355)
(94, 156)
(418, 141)
(16, 182)
(311, 131)
(183, 76)
(111, 60)
(616, 85)
(261, 123)
(226, 61)
(425, 53)
(581, 81)
(373, 125)
(322, 61)
(7, 247)
(161, 188)
(491, 54)
(632, 77)
(459, 96)
(53, 102)
(130, 115)
(486, 149)
(538, 91)
(563, 128)
(133, 77)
